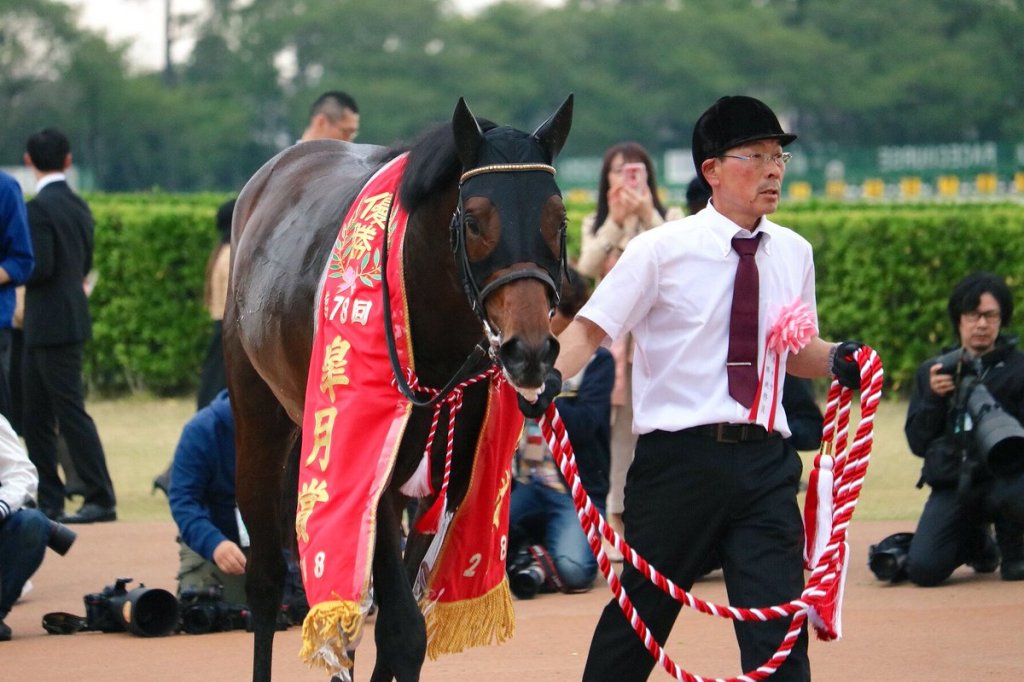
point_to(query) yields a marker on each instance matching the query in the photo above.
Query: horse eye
(471, 224)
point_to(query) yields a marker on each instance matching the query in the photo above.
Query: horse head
(508, 234)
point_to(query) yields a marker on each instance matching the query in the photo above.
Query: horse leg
(263, 438)
(400, 631)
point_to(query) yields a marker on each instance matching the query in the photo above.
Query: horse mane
(433, 164)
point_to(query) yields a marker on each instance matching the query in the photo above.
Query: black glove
(844, 365)
(552, 387)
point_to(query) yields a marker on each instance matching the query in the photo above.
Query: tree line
(839, 72)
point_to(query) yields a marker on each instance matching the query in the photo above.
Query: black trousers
(687, 495)
(951, 532)
(212, 379)
(54, 397)
(6, 406)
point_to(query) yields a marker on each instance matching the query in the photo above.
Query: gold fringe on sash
(455, 626)
(329, 629)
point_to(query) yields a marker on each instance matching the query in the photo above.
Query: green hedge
(884, 276)
(884, 273)
(150, 328)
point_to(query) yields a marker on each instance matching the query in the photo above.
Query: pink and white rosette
(793, 329)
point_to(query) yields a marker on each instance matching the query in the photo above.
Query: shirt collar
(49, 179)
(723, 230)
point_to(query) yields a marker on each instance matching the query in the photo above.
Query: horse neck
(444, 327)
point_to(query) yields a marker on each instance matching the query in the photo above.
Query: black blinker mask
(517, 180)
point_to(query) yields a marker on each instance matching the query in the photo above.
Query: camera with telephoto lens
(998, 437)
(204, 610)
(146, 612)
(60, 537)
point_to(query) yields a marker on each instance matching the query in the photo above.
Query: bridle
(471, 274)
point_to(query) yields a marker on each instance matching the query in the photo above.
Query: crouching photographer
(548, 548)
(213, 541)
(25, 532)
(964, 420)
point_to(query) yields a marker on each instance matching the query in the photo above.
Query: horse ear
(468, 136)
(553, 132)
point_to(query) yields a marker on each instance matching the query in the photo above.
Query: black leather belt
(732, 433)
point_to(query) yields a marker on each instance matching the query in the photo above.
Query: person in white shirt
(24, 530)
(708, 474)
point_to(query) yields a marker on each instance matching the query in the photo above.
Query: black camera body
(532, 570)
(525, 575)
(204, 610)
(147, 612)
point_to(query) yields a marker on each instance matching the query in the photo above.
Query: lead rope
(430, 520)
(818, 595)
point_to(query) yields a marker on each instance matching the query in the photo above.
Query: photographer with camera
(548, 548)
(25, 532)
(212, 538)
(202, 499)
(955, 418)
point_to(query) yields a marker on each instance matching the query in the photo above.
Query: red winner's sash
(352, 426)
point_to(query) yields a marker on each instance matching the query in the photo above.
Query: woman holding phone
(627, 204)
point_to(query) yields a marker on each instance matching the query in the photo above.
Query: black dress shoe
(1012, 570)
(92, 513)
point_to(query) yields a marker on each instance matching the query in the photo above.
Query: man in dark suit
(56, 326)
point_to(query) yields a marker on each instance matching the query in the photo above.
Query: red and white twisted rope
(429, 520)
(849, 477)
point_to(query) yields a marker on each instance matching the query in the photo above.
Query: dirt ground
(970, 628)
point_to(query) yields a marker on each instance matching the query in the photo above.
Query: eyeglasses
(989, 315)
(760, 160)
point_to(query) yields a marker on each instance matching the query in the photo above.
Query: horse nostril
(513, 357)
(550, 352)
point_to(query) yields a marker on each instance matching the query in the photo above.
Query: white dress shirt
(18, 478)
(672, 289)
(49, 179)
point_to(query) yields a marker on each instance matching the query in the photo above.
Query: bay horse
(483, 257)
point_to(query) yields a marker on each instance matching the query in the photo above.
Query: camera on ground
(144, 611)
(204, 610)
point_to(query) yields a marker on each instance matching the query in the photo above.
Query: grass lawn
(139, 435)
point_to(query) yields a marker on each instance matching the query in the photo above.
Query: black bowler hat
(730, 122)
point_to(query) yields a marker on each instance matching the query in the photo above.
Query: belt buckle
(720, 433)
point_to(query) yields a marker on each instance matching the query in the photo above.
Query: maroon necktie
(742, 359)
